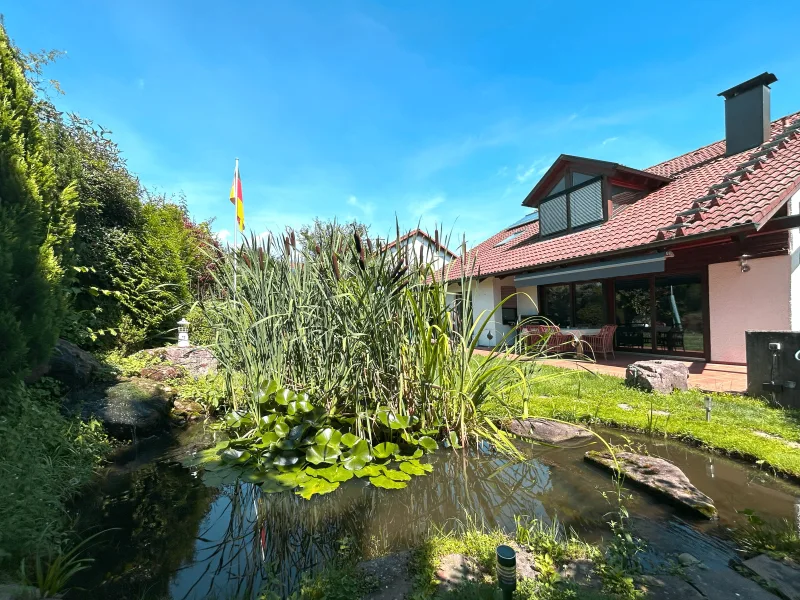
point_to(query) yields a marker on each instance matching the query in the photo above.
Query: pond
(175, 537)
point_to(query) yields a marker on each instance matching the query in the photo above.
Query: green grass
(580, 396)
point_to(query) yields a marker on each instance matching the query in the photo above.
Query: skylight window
(529, 218)
(509, 238)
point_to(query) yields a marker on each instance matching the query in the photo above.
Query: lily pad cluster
(292, 444)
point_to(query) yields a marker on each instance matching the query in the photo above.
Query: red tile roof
(747, 204)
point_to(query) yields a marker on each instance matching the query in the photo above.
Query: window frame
(604, 200)
(572, 301)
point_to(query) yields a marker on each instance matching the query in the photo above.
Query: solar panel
(525, 220)
(508, 239)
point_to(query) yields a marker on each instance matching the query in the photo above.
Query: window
(574, 304)
(575, 206)
(679, 313)
(509, 299)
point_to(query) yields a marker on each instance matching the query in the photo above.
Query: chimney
(747, 114)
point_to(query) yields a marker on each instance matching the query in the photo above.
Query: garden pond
(171, 534)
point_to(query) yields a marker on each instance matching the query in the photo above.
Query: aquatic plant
(348, 356)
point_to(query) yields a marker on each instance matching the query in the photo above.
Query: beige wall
(758, 299)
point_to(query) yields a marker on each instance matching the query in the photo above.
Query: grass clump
(738, 423)
(46, 459)
(778, 539)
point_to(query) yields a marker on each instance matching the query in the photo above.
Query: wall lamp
(743, 263)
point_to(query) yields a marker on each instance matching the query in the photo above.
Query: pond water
(175, 537)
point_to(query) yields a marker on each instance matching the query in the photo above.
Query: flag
(236, 197)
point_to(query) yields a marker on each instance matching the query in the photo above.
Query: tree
(320, 233)
(29, 268)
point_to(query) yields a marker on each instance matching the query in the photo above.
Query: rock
(128, 408)
(657, 375)
(582, 572)
(70, 365)
(21, 592)
(161, 372)
(725, 584)
(197, 360)
(624, 406)
(687, 560)
(455, 569)
(659, 476)
(546, 431)
(391, 574)
(526, 565)
(189, 408)
(669, 587)
(781, 576)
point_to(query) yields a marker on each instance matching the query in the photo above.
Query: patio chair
(601, 342)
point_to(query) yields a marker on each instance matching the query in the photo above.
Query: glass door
(679, 314)
(633, 314)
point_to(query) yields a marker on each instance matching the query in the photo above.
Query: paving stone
(726, 584)
(391, 574)
(779, 575)
(669, 587)
(455, 569)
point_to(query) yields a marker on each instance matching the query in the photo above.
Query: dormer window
(576, 193)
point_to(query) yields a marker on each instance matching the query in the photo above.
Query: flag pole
(235, 221)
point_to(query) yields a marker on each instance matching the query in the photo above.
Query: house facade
(683, 257)
(418, 243)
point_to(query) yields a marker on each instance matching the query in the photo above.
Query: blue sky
(437, 111)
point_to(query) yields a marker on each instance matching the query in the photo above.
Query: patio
(711, 377)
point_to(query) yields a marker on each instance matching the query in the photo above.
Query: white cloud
(365, 207)
(609, 140)
(223, 235)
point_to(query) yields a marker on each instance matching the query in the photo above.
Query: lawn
(580, 396)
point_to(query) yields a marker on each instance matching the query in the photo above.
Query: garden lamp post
(708, 408)
(183, 333)
(507, 570)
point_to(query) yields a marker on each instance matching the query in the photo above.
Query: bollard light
(708, 408)
(183, 333)
(507, 570)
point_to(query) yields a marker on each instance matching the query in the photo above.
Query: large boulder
(70, 365)
(547, 431)
(657, 375)
(197, 360)
(658, 476)
(129, 408)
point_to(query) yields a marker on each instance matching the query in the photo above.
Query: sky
(429, 112)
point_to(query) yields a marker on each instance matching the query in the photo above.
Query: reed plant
(368, 333)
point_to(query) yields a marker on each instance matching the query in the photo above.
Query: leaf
(254, 476)
(279, 482)
(284, 396)
(328, 436)
(265, 390)
(369, 471)
(316, 486)
(219, 477)
(396, 475)
(384, 482)
(412, 467)
(428, 443)
(287, 459)
(270, 486)
(322, 454)
(454, 440)
(385, 450)
(296, 432)
(268, 439)
(382, 414)
(235, 457)
(303, 406)
(333, 473)
(281, 428)
(268, 420)
(399, 422)
(349, 439)
(358, 457)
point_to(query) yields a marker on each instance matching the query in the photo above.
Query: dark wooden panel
(695, 258)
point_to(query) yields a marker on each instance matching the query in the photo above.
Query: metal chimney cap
(765, 78)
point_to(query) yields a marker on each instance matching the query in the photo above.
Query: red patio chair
(601, 342)
(558, 343)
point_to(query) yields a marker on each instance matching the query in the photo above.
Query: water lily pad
(235, 457)
(396, 475)
(281, 428)
(265, 390)
(413, 467)
(268, 439)
(322, 454)
(382, 481)
(291, 478)
(267, 420)
(284, 396)
(428, 443)
(369, 471)
(350, 440)
(220, 477)
(358, 457)
(333, 473)
(254, 476)
(316, 486)
(385, 450)
(399, 421)
(454, 440)
(328, 437)
(288, 459)
(270, 486)
(296, 432)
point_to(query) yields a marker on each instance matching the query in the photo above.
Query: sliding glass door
(633, 314)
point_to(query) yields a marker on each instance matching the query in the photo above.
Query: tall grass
(357, 327)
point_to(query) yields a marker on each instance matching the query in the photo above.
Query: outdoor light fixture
(708, 408)
(507, 570)
(669, 254)
(183, 333)
(743, 263)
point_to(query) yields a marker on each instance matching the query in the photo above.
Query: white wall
(485, 296)
(794, 251)
(527, 304)
(758, 299)
(436, 256)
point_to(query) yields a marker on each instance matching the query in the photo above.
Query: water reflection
(180, 539)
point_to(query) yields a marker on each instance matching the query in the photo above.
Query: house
(416, 241)
(683, 256)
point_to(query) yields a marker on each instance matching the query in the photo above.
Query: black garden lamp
(507, 570)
